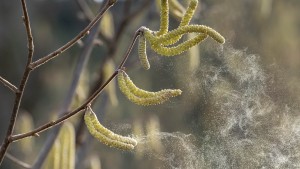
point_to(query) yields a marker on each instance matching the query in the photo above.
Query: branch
(17, 161)
(12, 138)
(89, 15)
(111, 44)
(30, 66)
(84, 105)
(80, 66)
(9, 85)
(28, 32)
(64, 117)
(7, 140)
(137, 33)
(84, 32)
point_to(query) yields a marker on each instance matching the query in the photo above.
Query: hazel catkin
(106, 136)
(142, 53)
(142, 97)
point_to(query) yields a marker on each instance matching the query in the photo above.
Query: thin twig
(85, 104)
(81, 64)
(64, 117)
(82, 152)
(82, 61)
(7, 140)
(80, 129)
(89, 15)
(30, 66)
(84, 32)
(17, 161)
(67, 115)
(137, 33)
(9, 85)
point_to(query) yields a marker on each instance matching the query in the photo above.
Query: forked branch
(31, 66)
(69, 44)
(7, 140)
(84, 105)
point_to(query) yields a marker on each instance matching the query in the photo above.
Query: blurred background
(240, 102)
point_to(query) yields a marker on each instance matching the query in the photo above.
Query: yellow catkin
(67, 141)
(134, 89)
(142, 53)
(152, 128)
(266, 8)
(109, 133)
(142, 97)
(53, 159)
(184, 22)
(160, 42)
(81, 90)
(176, 50)
(24, 124)
(106, 136)
(194, 55)
(108, 69)
(189, 13)
(94, 162)
(183, 30)
(153, 100)
(56, 156)
(164, 18)
(176, 14)
(138, 131)
(176, 9)
(176, 5)
(143, 93)
(106, 25)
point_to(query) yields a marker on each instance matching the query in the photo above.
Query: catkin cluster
(161, 40)
(106, 136)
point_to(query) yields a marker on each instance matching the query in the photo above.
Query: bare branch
(89, 15)
(84, 32)
(11, 138)
(7, 140)
(80, 66)
(17, 161)
(85, 104)
(64, 117)
(30, 66)
(28, 32)
(9, 85)
(137, 33)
